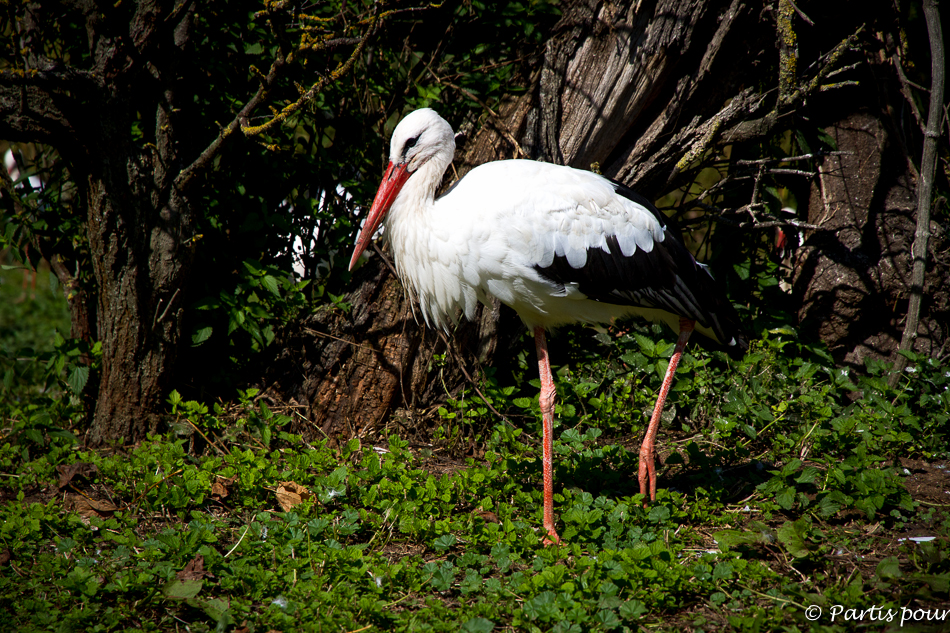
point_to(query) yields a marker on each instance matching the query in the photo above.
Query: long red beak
(393, 180)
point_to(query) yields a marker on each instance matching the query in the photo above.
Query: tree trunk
(142, 278)
(632, 88)
(140, 230)
(138, 224)
(140, 100)
(928, 164)
(853, 274)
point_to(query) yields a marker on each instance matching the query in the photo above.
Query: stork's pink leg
(647, 466)
(546, 400)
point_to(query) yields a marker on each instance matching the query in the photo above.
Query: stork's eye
(411, 143)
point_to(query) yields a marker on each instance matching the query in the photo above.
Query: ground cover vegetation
(788, 482)
(782, 490)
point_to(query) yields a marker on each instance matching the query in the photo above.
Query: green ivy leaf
(442, 577)
(270, 282)
(78, 378)
(182, 589)
(202, 335)
(889, 568)
(722, 571)
(792, 536)
(444, 542)
(786, 498)
(478, 625)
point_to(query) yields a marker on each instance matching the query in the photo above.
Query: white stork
(557, 244)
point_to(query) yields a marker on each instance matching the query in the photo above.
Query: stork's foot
(647, 474)
(551, 539)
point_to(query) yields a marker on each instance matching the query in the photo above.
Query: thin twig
(801, 14)
(906, 85)
(223, 451)
(793, 172)
(231, 551)
(789, 159)
(318, 333)
(499, 124)
(159, 318)
(461, 363)
(768, 224)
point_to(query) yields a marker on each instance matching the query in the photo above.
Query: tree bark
(852, 271)
(855, 270)
(142, 276)
(632, 88)
(139, 223)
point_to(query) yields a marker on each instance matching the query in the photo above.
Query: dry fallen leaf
(68, 472)
(219, 489)
(195, 570)
(488, 516)
(90, 507)
(290, 494)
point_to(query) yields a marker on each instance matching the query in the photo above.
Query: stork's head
(423, 143)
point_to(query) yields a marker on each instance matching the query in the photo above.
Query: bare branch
(749, 129)
(925, 184)
(373, 23)
(906, 85)
(788, 52)
(767, 221)
(801, 14)
(28, 114)
(772, 223)
(794, 172)
(269, 81)
(787, 159)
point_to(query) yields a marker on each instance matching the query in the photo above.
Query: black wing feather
(668, 278)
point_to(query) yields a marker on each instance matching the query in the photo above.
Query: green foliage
(266, 297)
(383, 536)
(31, 320)
(43, 376)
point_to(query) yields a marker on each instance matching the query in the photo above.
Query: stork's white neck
(417, 240)
(418, 194)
